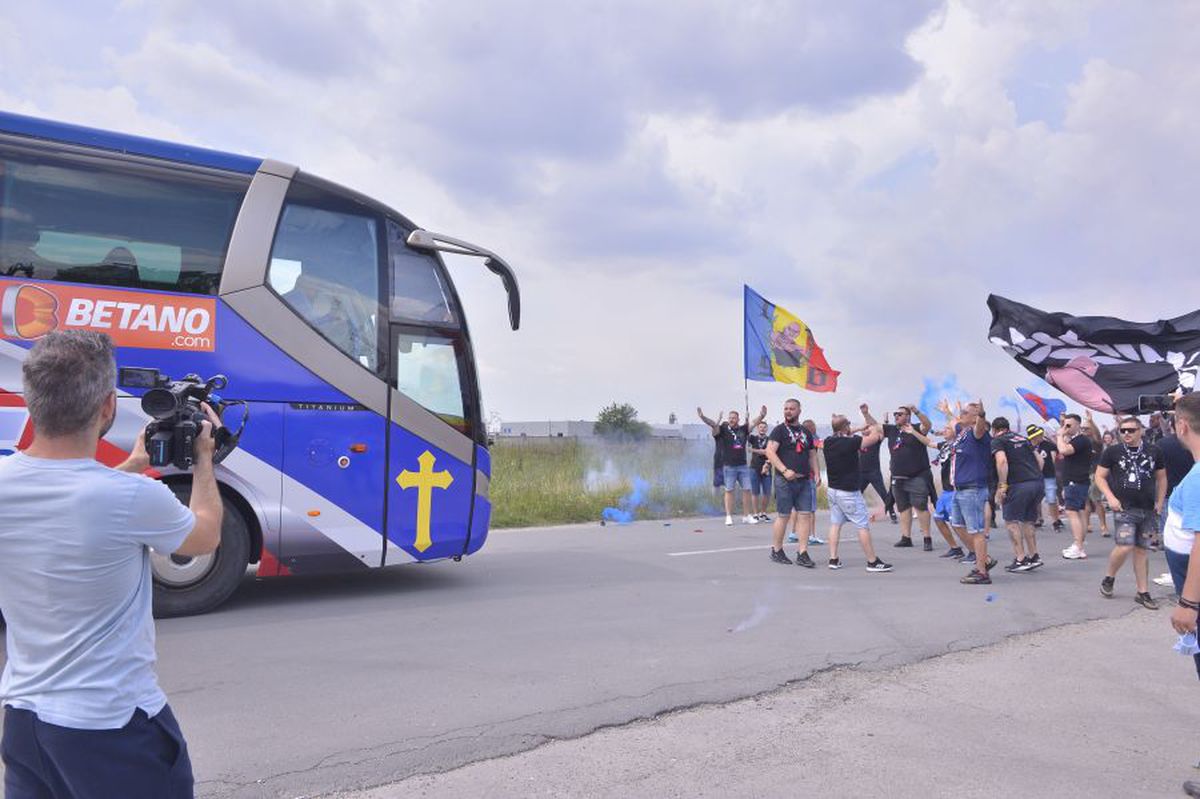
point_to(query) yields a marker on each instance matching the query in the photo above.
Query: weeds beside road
(544, 481)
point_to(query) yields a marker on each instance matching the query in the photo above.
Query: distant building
(585, 429)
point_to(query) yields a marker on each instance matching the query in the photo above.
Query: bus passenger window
(418, 292)
(325, 266)
(427, 372)
(110, 222)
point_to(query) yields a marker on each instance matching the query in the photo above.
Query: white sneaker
(1164, 579)
(812, 539)
(748, 519)
(728, 521)
(1073, 552)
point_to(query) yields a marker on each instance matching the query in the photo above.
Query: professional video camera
(175, 407)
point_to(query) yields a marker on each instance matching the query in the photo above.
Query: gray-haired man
(84, 715)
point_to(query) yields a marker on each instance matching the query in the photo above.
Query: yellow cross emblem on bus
(424, 481)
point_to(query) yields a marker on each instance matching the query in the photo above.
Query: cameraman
(84, 715)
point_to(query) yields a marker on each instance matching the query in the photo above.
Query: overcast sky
(877, 168)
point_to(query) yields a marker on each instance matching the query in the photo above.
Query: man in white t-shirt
(83, 713)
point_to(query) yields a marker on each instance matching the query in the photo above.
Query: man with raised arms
(846, 503)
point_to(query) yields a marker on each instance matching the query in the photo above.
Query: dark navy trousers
(147, 758)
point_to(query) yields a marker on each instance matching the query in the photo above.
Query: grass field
(542, 481)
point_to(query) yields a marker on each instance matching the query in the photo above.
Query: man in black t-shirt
(872, 472)
(910, 462)
(1037, 436)
(1019, 492)
(846, 502)
(793, 452)
(1075, 447)
(732, 439)
(760, 472)
(1133, 478)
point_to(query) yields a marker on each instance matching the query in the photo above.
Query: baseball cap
(1033, 431)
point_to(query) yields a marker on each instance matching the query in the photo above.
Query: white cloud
(876, 168)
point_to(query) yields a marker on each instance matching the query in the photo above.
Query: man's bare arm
(205, 502)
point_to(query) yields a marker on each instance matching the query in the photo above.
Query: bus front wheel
(184, 586)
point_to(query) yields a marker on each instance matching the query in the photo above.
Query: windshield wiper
(425, 240)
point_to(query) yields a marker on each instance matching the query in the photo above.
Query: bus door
(326, 266)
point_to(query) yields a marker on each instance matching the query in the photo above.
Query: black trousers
(147, 758)
(875, 480)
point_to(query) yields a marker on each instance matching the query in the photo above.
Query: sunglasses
(1128, 431)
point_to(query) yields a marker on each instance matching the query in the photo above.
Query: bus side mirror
(498, 267)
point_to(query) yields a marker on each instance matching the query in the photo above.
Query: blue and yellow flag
(781, 348)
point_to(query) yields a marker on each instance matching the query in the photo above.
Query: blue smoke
(627, 506)
(1013, 404)
(938, 388)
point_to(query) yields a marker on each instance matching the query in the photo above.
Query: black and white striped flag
(1101, 362)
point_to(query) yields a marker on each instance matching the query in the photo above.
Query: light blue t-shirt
(1183, 514)
(75, 588)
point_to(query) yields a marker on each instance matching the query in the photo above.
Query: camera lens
(159, 403)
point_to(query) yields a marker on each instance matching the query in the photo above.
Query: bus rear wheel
(185, 586)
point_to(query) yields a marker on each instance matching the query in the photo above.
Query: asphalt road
(302, 687)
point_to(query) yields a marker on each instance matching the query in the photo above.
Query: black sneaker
(802, 559)
(976, 577)
(928, 545)
(779, 556)
(1106, 586)
(1035, 562)
(895, 518)
(991, 564)
(1145, 600)
(1058, 526)
(953, 552)
(835, 563)
(903, 542)
(1026, 564)
(879, 566)
(1015, 566)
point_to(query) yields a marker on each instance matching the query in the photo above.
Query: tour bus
(330, 315)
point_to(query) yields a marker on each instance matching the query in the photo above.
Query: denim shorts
(1050, 487)
(737, 474)
(968, 508)
(812, 496)
(794, 495)
(1022, 502)
(1075, 496)
(1135, 527)
(848, 506)
(760, 484)
(945, 506)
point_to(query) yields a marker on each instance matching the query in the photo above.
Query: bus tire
(188, 586)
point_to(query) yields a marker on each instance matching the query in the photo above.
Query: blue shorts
(968, 509)
(760, 484)
(1177, 562)
(1050, 486)
(1022, 502)
(739, 475)
(147, 757)
(1075, 496)
(945, 506)
(812, 496)
(794, 495)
